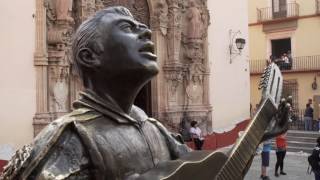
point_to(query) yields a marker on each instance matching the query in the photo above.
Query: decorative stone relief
(174, 79)
(64, 10)
(160, 18)
(194, 30)
(174, 31)
(59, 89)
(187, 48)
(51, 16)
(99, 5)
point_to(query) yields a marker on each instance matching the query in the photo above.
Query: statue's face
(128, 49)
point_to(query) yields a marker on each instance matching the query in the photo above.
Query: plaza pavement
(295, 165)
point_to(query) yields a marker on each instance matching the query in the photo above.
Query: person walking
(308, 117)
(196, 134)
(281, 144)
(265, 158)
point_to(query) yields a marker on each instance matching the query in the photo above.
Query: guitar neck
(245, 147)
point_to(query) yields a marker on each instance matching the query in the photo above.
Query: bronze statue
(106, 136)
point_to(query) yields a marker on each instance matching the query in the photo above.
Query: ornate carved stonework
(188, 57)
(139, 8)
(160, 18)
(180, 34)
(63, 10)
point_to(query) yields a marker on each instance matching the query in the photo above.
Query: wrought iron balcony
(289, 10)
(296, 64)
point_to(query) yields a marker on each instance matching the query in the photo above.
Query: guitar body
(202, 165)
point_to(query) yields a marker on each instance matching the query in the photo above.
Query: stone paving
(295, 165)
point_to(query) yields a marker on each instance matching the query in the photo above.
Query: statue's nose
(145, 33)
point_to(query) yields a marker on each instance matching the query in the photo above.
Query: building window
(279, 8)
(280, 47)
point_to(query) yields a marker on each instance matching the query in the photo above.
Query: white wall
(17, 78)
(229, 83)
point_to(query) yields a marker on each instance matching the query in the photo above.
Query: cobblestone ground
(295, 165)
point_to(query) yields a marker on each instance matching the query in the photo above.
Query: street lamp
(239, 42)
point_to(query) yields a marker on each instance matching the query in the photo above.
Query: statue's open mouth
(147, 51)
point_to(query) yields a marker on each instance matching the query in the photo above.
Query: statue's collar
(109, 108)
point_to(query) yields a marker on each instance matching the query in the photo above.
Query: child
(265, 157)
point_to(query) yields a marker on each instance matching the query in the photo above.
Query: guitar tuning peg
(262, 84)
(261, 87)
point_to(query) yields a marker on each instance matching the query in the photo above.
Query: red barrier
(2, 164)
(218, 140)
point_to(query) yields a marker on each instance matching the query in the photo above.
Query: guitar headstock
(271, 83)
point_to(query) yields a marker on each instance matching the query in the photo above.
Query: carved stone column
(159, 27)
(42, 116)
(174, 31)
(52, 60)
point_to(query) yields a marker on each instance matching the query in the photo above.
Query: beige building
(18, 76)
(203, 76)
(230, 81)
(292, 27)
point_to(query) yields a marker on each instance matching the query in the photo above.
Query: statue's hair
(87, 35)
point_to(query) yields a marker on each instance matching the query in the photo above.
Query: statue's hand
(280, 122)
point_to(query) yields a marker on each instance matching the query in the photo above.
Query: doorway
(280, 46)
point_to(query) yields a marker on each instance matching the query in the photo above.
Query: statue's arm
(67, 160)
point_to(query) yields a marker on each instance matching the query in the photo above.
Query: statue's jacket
(95, 141)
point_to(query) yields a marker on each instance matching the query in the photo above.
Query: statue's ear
(88, 58)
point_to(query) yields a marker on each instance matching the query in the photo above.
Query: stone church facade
(180, 92)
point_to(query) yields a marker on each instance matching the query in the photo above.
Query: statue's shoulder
(29, 156)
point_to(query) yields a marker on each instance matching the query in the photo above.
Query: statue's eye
(126, 27)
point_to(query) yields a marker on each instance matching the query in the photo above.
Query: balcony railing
(303, 63)
(282, 12)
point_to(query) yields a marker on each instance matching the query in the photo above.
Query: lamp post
(239, 42)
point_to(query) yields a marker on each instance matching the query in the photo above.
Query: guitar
(217, 165)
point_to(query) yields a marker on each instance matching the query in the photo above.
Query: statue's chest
(131, 148)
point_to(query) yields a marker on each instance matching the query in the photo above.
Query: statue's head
(113, 46)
